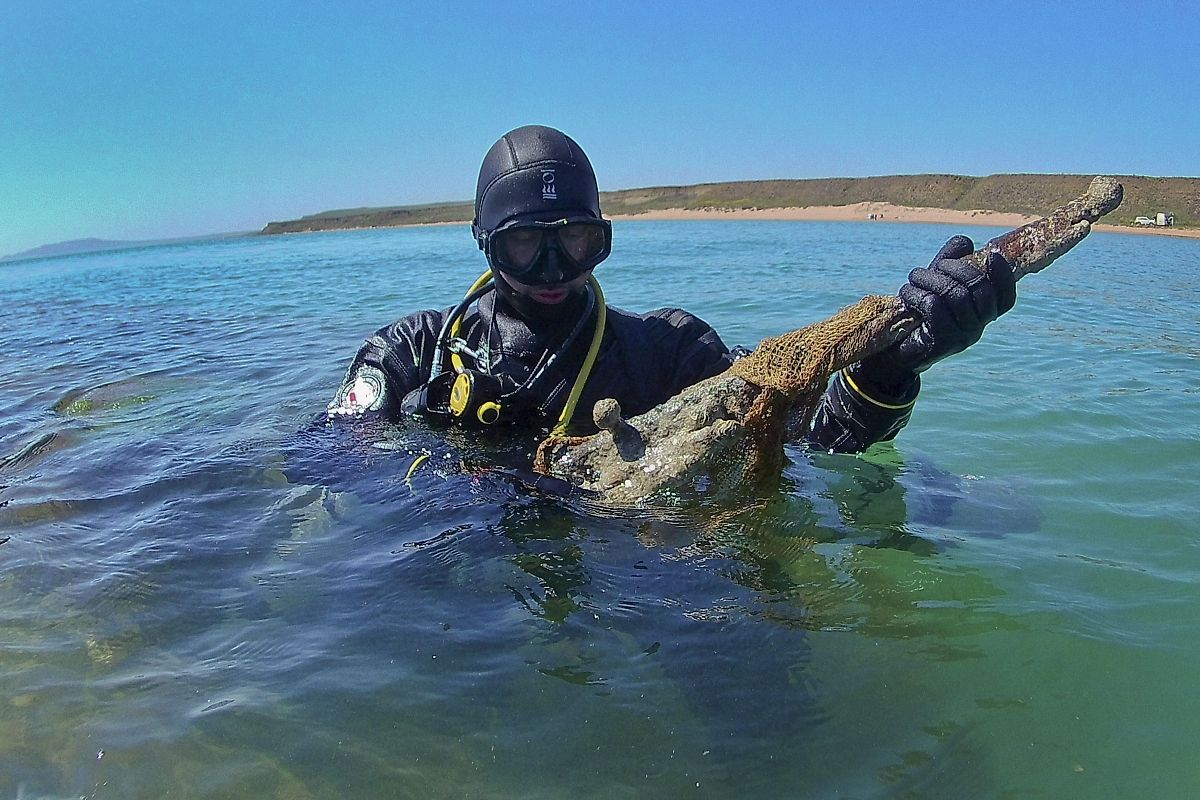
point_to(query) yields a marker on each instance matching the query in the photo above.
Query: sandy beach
(884, 212)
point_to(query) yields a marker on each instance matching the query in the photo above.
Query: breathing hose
(455, 321)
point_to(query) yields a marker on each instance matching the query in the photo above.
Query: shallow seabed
(203, 596)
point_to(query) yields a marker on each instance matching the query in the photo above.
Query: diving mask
(517, 247)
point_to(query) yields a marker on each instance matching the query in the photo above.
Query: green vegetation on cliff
(387, 217)
(1026, 194)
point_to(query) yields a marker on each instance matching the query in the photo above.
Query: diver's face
(546, 294)
(541, 303)
(542, 268)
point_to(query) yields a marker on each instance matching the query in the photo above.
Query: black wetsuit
(643, 360)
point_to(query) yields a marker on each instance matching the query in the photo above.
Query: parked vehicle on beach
(1160, 220)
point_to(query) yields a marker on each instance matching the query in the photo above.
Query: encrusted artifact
(730, 429)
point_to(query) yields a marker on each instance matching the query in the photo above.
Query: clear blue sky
(134, 120)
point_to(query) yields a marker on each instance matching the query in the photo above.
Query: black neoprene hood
(534, 170)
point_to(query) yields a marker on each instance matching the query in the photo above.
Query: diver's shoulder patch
(363, 391)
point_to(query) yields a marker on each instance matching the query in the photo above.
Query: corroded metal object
(729, 430)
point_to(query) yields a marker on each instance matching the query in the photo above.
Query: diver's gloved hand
(956, 301)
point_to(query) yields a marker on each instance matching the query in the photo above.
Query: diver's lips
(551, 297)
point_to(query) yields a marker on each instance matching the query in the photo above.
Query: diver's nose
(552, 272)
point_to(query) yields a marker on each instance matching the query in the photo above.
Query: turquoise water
(201, 597)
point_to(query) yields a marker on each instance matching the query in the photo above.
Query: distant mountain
(76, 246)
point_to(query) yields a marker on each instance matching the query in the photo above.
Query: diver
(533, 343)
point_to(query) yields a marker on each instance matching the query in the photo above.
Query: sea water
(202, 594)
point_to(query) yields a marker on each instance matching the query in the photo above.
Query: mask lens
(582, 242)
(516, 249)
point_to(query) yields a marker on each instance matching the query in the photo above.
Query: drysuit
(643, 360)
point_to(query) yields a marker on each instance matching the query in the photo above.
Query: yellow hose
(564, 419)
(480, 282)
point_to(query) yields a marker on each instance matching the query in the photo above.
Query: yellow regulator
(475, 398)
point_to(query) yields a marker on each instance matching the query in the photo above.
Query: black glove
(955, 301)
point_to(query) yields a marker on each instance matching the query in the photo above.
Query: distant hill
(77, 246)
(70, 248)
(1025, 194)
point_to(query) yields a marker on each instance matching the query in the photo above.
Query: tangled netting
(793, 369)
(799, 362)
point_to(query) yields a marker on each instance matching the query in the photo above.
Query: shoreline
(884, 212)
(854, 212)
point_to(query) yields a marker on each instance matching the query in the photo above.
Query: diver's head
(537, 219)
